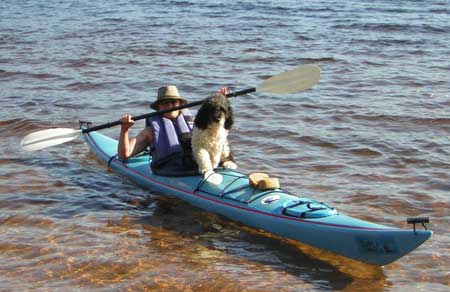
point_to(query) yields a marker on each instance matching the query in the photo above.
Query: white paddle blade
(47, 138)
(292, 81)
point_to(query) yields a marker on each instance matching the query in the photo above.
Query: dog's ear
(202, 118)
(229, 121)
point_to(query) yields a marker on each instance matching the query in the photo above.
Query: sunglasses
(168, 101)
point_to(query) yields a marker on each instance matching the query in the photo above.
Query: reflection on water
(174, 247)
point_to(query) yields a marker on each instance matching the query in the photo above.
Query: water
(372, 139)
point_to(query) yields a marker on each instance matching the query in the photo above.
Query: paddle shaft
(152, 114)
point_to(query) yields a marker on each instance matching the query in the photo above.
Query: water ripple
(371, 139)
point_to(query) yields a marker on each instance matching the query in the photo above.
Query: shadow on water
(219, 241)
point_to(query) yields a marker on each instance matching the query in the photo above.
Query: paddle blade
(292, 81)
(47, 138)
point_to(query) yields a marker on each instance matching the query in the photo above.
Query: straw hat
(169, 92)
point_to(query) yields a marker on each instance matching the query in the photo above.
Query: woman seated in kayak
(168, 136)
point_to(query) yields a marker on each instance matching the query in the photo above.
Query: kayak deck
(277, 211)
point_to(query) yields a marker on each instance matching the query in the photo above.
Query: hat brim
(155, 104)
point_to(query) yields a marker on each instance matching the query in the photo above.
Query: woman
(168, 135)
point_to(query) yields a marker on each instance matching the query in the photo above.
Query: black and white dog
(210, 145)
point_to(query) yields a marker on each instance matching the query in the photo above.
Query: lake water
(371, 139)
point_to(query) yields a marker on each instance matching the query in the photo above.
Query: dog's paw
(213, 177)
(230, 164)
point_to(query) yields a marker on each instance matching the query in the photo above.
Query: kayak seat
(306, 208)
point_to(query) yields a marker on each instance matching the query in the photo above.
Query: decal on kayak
(379, 245)
(270, 199)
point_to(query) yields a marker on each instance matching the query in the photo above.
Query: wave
(402, 119)
(84, 62)
(21, 126)
(367, 152)
(392, 27)
(318, 60)
(314, 141)
(41, 76)
(76, 86)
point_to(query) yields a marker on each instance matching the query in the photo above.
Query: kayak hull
(275, 211)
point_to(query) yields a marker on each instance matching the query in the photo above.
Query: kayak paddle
(291, 81)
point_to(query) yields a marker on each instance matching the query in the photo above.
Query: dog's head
(216, 109)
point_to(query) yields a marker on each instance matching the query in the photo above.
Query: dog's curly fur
(212, 123)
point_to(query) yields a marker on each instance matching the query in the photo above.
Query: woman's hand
(224, 90)
(126, 122)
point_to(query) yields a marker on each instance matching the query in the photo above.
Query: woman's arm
(129, 147)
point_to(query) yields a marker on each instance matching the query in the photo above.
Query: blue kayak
(275, 210)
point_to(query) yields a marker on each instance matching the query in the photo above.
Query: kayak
(274, 210)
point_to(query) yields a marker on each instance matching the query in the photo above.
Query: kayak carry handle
(417, 220)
